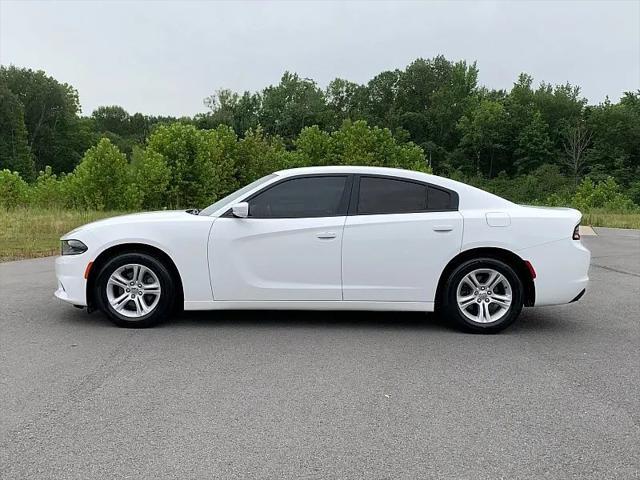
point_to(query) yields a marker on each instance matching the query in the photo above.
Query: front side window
(380, 195)
(301, 198)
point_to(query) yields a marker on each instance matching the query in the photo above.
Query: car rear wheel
(483, 295)
(135, 290)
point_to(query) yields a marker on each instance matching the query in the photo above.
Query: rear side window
(380, 195)
(385, 195)
(438, 199)
(301, 198)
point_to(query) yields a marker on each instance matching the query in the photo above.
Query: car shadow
(273, 319)
(547, 320)
(538, 320)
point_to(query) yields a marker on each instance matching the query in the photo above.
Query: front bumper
(72, 286)
(562, 270)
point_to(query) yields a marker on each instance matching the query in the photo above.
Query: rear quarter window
(384, 195)
(439, 199)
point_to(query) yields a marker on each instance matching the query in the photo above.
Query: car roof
(395, 172)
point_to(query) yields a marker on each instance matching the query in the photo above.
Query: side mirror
(240, 210)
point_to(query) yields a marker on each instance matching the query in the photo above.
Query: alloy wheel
(133, 290)
(484, 295)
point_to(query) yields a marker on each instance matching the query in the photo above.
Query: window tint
(300, 197)
(386, 195)
(439, 199)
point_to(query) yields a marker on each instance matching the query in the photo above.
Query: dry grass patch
(29, 233)
(613, 220)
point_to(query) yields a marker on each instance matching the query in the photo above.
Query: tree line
(533, 143)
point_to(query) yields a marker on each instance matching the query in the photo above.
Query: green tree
(432, 96)
(291, 105)
(616, 139)
(240, 112)
(258, 155)
(345, 100)
(101, 180)
(55, 134)
(482, 134)
(14, 147)
(114, 119)
(381, 98)
(534, 147)
(356, 143)
(150, 176)
(315, 147)
(560, 107)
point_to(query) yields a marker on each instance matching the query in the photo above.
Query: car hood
(146, 217)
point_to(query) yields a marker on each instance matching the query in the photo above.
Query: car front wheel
(484, 295)
(135, 290)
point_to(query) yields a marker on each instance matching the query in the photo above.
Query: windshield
(237, 194)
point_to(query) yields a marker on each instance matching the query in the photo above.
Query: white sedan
(331, 238)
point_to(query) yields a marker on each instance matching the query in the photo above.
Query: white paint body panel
(398, 258)
(374, 262)
(182, 236)
(255, 259)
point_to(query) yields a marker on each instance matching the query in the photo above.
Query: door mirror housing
(240, 210)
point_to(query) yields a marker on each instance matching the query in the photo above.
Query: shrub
(48, 191)
(258, 155)
(605, 194)
(14, 191)
(200, 162)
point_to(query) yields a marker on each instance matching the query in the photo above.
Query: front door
(288, 248)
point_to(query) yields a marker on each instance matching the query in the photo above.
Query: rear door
(289, 246)
(398, 237)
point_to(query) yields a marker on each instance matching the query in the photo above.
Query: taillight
(532, 271)
(576, 232)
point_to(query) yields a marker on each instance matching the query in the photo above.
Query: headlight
(72, 247)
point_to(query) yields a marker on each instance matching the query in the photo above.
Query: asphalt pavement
(323, 395)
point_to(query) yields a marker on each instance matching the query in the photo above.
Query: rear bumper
(72, 286)
(562, 271)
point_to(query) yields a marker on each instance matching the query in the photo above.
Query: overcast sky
(163, 58)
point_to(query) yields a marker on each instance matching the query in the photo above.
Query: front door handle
(326, 235)
(442, 228)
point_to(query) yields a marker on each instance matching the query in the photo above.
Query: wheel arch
(114, 250)
(513, 260)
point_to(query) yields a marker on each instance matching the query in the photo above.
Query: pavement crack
(624, 272)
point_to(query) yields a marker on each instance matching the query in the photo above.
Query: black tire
(165, 304)
(452, 310)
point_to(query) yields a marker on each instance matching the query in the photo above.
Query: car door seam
(213, 296)
(344, 223)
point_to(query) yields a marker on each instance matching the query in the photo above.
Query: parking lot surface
(323, 395)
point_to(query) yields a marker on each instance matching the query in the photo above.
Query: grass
(599, 218)
(31, 232)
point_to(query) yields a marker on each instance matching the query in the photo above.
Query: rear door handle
(326, 235)
(442, 228)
